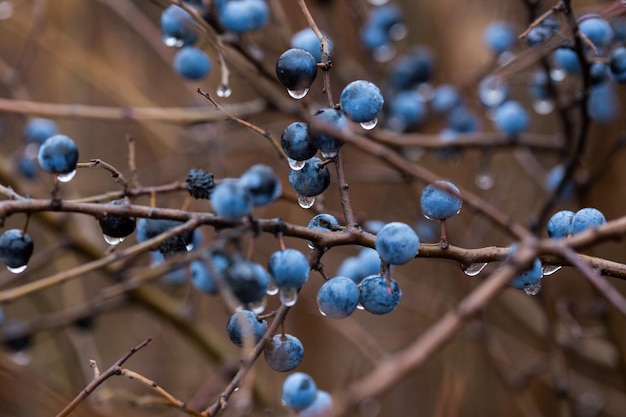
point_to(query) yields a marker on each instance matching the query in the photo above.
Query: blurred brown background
(560, 353)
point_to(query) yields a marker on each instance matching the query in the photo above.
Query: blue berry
(385, 17)
(201, 275)
(148, 228)
(529, 277)
(262, 183)
(313, 179)
(538, 86)
(295, 142)
(324, 222)
(379, 295)
(567, 59)
(245, 329)
(200, 183)
(338, 297)
(603, 104)
(192, 63)
(462, 120)
(617, 64)
(499, 36)
(248, 280)
(240, 16)
(560, 224)
(58, 155)
(307, 39)
(38, 130)
(283, 352)
(554, 178)
(438, 203)
(374, 37)
(231, 199)
(511, 118)
(445, 98)
(178, 27)
(406, 110)
(351, 267)
(397, 243)
(411, 69)
(299, 391)
(27, 166)
(361, 101)
(321, 405)
(544, 31)
(117, 226)
(598, 31)
(587, 218)
(598, 73)
(16, 248)
(289, 268)
(327, 143)
(296, 69)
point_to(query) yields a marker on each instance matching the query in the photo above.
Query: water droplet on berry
(288, 296)
(296, 165)
(6, 9)
(189, 247)
(550, 269)
(329, 155)
(258, 307)
(18, 269)
(173, 41)
(384, 53)
(298, 94)
(370, 125)
(322, 312)
(306, 202)
(272, 289)
(557, 75)
(223, 91)
(360, 307)
(473, 269)
(377, 2)
(21, 358)
(113, 240)
(484, 181)
(543, 106)
(66, 177)
(533, 289)
(310, 244)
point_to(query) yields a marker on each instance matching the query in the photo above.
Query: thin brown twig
(115, 173)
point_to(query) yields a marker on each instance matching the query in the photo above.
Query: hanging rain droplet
(543, 106)
(550, 269)
(473, 269)
(66, 177)
(21, 358)
(306, 202)
(533, 289)
(272, 289)
(322, 313)
(113, 240)
(484, 181)
(223, 91)
(258, 307)
(172, 41)
(557, 75)
(296, 165)
(18, 269)
(360, 307)
(310, 244)
(288, 296)
(377, 2)
(189, 247)
(370, 125)
(298, 94)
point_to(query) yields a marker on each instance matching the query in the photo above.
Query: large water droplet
(534, 288)
(6, 9)
(492, 91)
(18, 269)
(298, 94)
(329, 154)
(272, 289)
(66, 177)
(557, 75)
(484, 181)
(21, 358)
(322, 312)
(113, 240)
(550, 269)
(223, 91)
(258, 307)
(305, 201)
(370, 125)
(360, 307)
(296, 165)
(288, 296)
(543, 106)
(173, 41)
(189, 247)
(473, 269)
